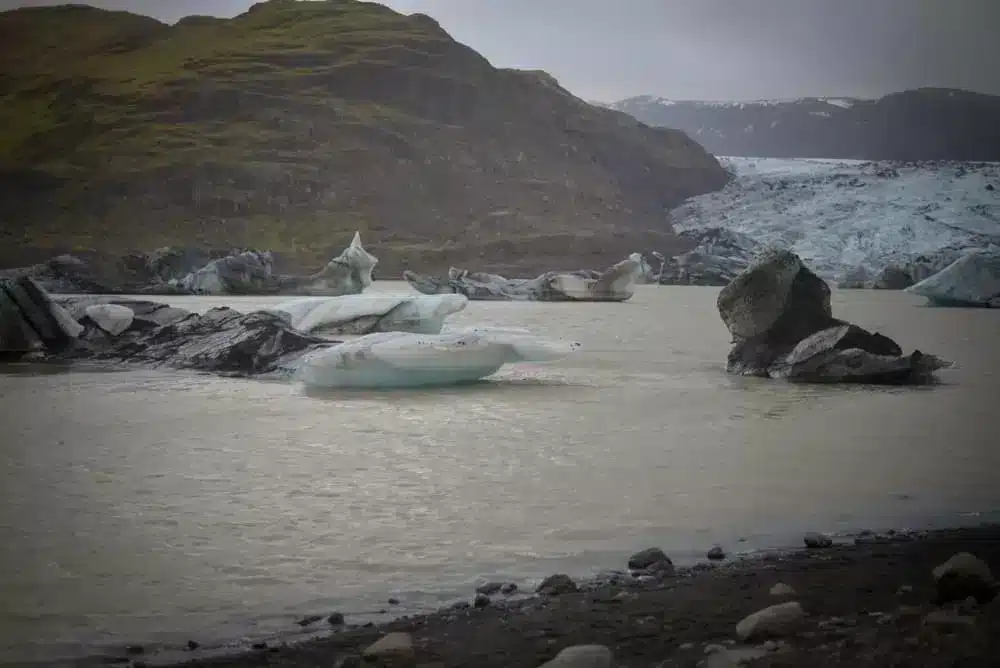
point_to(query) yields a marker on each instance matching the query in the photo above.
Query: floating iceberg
(403, 359)
(971, 280)
(368, 313)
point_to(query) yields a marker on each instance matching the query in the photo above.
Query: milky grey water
(153, 507)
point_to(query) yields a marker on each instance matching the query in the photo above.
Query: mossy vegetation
(293, 124)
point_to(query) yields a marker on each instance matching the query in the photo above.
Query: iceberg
(971, 280)
(369, 313)
(407, 360)
(615, 284)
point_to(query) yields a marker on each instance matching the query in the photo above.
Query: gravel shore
(875, 603)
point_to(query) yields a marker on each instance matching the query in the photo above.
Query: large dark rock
(221, 341)
(779, 315)
(30, 321)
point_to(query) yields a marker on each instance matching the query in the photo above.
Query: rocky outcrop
(615, 284)
(310, 119)
(718, 257)
(921, 124)
(779, 315)
(971, 280)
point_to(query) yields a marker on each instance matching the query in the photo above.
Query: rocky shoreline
(896, 599)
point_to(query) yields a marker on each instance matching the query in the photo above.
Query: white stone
(394, 650)
(582, 656)
(774, 621)
(783, 590)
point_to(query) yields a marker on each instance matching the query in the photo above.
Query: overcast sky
(706, 49)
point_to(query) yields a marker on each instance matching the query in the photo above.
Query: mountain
(843, 216)
(922, 124)
(293, 125)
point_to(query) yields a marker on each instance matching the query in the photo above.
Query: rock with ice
(617, 284)
(252, 272)
(249, 272)
(113, 319)
(971, 280)
(718, 257)
(368, 313)
(778, 313)
(403, 359)
(30, 320)
(842, 215)
(347, 274)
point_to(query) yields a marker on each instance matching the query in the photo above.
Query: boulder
(779, 315)
(962, 576)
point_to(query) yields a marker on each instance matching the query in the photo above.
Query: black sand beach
(874, 604)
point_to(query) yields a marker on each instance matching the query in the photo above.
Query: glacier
(407, 360)
(369, 313)
(842, 215)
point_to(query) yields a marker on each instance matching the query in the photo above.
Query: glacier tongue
(839, 215)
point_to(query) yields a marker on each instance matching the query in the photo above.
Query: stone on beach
(394, 650)
(650, 559)
(557, 584)
(781, 589)
(962, 576)
(815, 540)
(771, 622)
(582, 656)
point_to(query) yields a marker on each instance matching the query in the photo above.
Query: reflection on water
(154, 507)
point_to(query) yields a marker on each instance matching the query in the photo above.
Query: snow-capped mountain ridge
(923, 124)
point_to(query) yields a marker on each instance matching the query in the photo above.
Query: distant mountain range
(921, 124)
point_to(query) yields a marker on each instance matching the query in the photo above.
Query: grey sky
(707, 49)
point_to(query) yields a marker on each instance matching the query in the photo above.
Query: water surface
(154, 507)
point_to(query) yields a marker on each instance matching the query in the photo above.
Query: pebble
(781, 589)
(394, 649)
(557, 584)
(716, 553)
(946, 619)
(582, 656)
(311, 619)
(773, 621)
(652, 560)
(817, 541)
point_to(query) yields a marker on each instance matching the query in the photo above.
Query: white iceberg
(111, 318)
(405, 360)
(369, 313)
(971, 280)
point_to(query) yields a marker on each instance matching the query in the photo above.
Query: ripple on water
(154, 507)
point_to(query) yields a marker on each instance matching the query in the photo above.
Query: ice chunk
(112, 318)
(403, 359)
(368, 313)
(971, 280)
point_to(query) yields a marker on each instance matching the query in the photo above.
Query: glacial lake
(141, 507)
